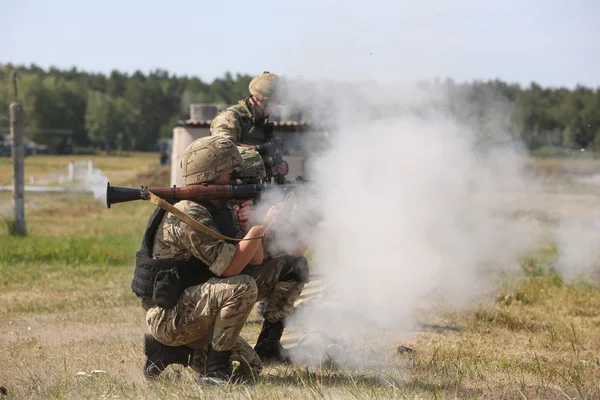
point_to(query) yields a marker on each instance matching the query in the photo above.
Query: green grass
(112, 250)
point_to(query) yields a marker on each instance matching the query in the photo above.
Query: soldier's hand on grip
(243, 214)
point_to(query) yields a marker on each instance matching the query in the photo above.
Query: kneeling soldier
(189, 281)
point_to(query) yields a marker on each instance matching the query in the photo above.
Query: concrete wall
(182, 137)
(296, 167)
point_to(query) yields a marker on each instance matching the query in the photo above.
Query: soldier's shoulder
(227, 115)
(193, 209)
(239, 109)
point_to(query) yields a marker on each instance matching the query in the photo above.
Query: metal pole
(90, 168)
(18, 156)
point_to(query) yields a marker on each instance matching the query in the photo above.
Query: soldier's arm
(223, 258)
(252, 251)
(226, 124)
(247, 252)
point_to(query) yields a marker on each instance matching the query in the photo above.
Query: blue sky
(555, 43)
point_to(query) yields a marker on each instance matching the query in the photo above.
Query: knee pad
(294, 269)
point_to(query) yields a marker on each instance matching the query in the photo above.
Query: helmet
(204, 159)
(252, 163)
(264, 86)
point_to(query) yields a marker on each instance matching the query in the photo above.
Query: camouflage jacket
(237, 123)
(178, 240)
(227, 123)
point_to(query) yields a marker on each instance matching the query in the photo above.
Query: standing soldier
(247, 124)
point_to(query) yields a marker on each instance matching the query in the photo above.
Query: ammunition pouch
(167, 288)
(165, 280)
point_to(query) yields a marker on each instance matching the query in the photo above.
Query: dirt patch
(69, 328)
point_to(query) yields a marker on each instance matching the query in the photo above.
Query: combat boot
(268, 346)
(218, 368)
(159, 356)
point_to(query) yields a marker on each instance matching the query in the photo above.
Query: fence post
(17, 126)
(90, 168)
(71, 171)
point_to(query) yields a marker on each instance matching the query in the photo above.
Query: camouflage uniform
(176, 239)
(278, 290)
(247, 123)
(220, 306)
(186, 315)
(278, 287)
(242, 123)
(277, 297)
(227, 122)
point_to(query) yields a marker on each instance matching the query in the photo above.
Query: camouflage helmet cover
(264, 86)
(252, 163)
(205, 158)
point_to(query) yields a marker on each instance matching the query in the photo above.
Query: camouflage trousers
(276, 297)
(277, 303)
(212, 313)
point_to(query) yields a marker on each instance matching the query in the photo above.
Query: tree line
(135, 111)
(121, 111)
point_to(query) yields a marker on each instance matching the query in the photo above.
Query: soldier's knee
(294, 269)
(246, 287)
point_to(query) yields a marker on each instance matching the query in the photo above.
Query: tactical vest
(164, 280)
(252, 134)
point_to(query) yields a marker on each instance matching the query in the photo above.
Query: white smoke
(577, 242)
(416, 206)
(422, 183)
(96, 182)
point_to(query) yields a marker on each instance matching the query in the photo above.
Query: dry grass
(66, 307)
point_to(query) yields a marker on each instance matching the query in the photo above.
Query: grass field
(71, 328)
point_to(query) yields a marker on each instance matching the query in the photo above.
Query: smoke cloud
(96, 183)
(418, 203)
(421, 185)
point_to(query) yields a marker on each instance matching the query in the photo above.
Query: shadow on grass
(365, 383)
(321, 378)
